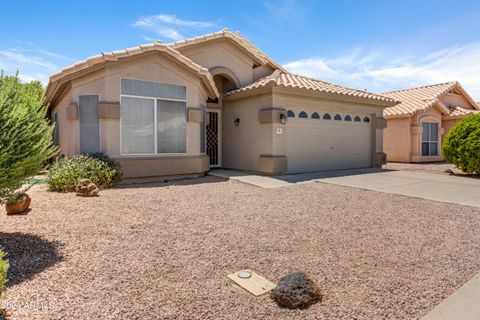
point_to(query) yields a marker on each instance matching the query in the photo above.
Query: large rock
(86, 188)
(296, 291)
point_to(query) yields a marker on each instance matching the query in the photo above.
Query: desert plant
(3, 272)
(65, 174)
(25, 133)
(461, 145)
(114, 165)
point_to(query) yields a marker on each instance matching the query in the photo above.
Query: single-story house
(211, 101)
(417, 126)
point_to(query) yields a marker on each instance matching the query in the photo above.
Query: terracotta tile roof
(421, 98)
(250, 48)
(57, 78)
(289, 80)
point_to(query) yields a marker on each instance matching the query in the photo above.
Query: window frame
(155, 124)
(437, 141)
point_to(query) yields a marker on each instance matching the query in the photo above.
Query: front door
(213, 131)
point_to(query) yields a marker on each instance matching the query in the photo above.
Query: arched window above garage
(357, 119)
(366, 119)
(347, 118)
(327, 116)
(303, 115)
(337, 117)
(315, 115)
(290, 114)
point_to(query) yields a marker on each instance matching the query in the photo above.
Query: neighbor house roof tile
(289, 80)
(422, 98)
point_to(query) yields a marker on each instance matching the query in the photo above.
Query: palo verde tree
(25, 133)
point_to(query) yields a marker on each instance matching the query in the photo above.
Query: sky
(367, 44)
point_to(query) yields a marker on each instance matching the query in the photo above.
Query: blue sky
(370, 44)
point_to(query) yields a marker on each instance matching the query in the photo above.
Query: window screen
(89, 124)
(171, 126)
(429, 139)
(137, 120)
(153, 89)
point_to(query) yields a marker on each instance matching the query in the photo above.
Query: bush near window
(462, 145)
(3, 272)
(65, 174)
(25, 134)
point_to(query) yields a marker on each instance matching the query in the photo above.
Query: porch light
(236, 122)
(283, 118)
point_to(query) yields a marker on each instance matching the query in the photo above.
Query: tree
(462, 145)
(25, 133)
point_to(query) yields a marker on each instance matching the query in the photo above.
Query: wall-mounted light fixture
(237, 122)
(283, 118)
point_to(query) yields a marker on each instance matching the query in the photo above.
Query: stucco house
(417, 126)
(212, 101)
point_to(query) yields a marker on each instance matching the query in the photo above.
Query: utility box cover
(255, 284)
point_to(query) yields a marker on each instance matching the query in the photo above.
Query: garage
(325, 140)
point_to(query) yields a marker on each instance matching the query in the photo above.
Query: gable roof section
(422, 98)
(457, 112)
(294, 81)
(60, 80)
(256, 54)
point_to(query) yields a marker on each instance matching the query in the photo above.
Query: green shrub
(66, 173)
(3, 272)
(25, 133)
(462, 145)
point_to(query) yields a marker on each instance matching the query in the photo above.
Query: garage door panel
(319, 145)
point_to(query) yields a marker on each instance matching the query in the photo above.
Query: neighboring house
(416, 127)
(212, 101)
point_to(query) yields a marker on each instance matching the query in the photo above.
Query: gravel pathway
(163, 251)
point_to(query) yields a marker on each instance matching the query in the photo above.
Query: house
(417, 126)
(212, 101)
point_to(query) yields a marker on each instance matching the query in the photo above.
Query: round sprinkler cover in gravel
(296, 291)
(244, 275)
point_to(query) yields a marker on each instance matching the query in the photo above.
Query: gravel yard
(163, 251)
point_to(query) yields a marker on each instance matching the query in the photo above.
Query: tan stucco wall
(222, 53)
(243, 145)
(397, 140)
(106, 84)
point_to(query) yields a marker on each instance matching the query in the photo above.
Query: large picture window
(155, 123)
(429, 139)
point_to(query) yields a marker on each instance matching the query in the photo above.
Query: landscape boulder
(296, 291)
(86, 188)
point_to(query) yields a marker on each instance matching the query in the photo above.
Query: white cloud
(388, 69)
(32, 64)
(169, 26)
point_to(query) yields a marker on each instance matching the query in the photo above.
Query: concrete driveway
(438, 187)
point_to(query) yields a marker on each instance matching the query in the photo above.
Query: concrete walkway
(463, 304)
(444, 188)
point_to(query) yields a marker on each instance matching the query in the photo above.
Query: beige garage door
(321, 141)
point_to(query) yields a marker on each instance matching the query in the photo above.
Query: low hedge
(461, 145)
(65, 174)
(3, 272)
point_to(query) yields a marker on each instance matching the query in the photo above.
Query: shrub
(25, 133)
(462, 145)
(66, 173)
(3, 272)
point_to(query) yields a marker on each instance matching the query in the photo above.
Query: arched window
(327, 116)
(303, 115)
(347, 118)
(357, 119)
(315, 115)
(366, 119)
(337, 117)
(290, 114)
